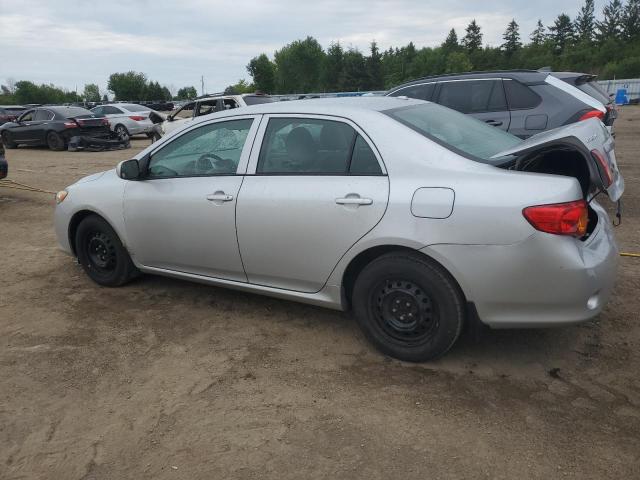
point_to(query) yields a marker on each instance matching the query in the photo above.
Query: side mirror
(128, 169)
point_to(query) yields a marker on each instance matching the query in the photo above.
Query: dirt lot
(168, 379)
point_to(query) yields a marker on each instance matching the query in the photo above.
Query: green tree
(511, 38)
(91, 93)
(374, 68)
(333, 71)
(128, 86)
(472, 41)
(458, 62)
(299, 65)
(242, 86)
(187, 93)
(355, 71)
(585, 22)
(451, 42)
(631, 21)
(562, 33)
(611, 24)
(538, 36)
(263, 73)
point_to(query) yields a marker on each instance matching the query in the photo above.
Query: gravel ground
(169, 379)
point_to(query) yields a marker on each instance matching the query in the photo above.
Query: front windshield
(455, 131)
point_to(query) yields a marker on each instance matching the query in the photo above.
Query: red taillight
(70, 125)
(137, 118)
(592, 114)
(604, 166)
(559, 218)
(105, 122)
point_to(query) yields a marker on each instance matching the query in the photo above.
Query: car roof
(343, 106)
(62, 110)
(13, 106)
(524, 76)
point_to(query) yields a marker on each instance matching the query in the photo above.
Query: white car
(211, 104)
(127, 119)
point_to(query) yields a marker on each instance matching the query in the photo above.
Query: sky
(71, 43)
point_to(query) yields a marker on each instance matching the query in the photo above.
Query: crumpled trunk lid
(594, 141)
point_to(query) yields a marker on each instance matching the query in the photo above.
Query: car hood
(91, 178)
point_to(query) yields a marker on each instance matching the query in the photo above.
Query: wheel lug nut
(408, 304)
(394, 310)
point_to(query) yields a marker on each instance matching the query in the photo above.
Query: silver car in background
(416, 217)
(127, 119)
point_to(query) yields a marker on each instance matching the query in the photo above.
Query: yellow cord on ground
(625, 254)
(21, 186)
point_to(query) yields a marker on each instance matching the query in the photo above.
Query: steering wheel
(204, 163)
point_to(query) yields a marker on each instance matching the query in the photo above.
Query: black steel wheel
(101, 254)
(404, 311)
(408, 306)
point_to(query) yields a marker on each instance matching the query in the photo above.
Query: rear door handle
(219, 197)
(353, 200)
(494, 123)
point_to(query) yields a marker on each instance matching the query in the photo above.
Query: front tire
(55, 142)
(122, 132)
(7, 141)
(101, 253)
(408, 306)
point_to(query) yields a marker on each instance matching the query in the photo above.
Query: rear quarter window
(519, 96)
(594, 90)
(421, 92)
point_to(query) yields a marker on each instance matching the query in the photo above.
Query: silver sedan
(414, 216)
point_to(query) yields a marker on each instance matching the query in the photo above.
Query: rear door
(316, 186)
(482, 98)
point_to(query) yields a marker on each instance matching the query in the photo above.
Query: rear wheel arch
(362, 259)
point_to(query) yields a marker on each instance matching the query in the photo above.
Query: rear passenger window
(473, 96)
(364, 161)
(299, 146)
(421, 92)
(520, 96)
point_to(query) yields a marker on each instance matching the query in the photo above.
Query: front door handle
(219, 197)
(353, 199)
(494, 123)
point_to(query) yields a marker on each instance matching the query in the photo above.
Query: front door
(317, 188)
(181, 217)
(29, 128)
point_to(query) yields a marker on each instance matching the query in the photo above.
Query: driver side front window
(212, 149)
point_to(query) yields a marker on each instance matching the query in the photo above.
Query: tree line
(133, 86)
(607, 45)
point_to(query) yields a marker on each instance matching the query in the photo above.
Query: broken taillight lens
(604, 166)
(592, 114)
(569, 218)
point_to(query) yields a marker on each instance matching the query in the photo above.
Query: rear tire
(7, 141)
(101, 253)
(408, 306)
(55, 142)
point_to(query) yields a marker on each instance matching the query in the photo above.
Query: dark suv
(522, 102)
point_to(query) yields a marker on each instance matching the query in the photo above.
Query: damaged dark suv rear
(53, 126)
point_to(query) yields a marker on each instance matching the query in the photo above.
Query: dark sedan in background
(53, 127)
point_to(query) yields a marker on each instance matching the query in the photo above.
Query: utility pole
(202, 85)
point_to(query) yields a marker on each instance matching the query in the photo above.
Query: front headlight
(61, 195)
